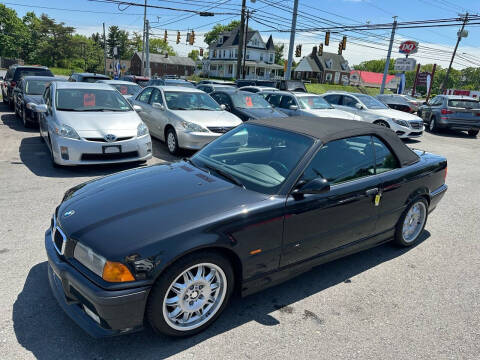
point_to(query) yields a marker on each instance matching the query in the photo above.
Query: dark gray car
(452, 112)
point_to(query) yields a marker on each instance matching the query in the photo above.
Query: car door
(286, 102)
(42, 120)
(17, 94)
(142, 102)
(318, 223)
(157, 116)
(427, 108)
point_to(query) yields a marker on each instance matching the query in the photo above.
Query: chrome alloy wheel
(194, 297)
(171, 143)
(414, 221)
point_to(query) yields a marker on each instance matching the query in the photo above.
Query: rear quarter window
(467, 104)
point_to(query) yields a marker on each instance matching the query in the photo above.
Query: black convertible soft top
(329, 129)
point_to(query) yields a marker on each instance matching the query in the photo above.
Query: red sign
(89, 100)
(408, 47)
(422, 78)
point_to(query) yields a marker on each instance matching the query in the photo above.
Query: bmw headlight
(67, 132)
(142, 129)
(401, 122)
(88, 258)
(193, 127)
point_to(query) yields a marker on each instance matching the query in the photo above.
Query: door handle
(372, 192)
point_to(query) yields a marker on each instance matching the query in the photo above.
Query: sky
(435, 44)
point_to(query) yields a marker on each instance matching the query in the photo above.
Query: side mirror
(40, 108)
(359, 106)
(137, 108)
(158, 106)
(223, 106)
(293, 107)
(31, 106)
(315, 186)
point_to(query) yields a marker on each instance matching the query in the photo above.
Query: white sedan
(91, 123)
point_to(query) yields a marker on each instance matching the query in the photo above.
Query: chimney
(166, 54)
(314, 50)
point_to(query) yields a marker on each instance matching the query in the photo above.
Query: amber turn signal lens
(116, 272)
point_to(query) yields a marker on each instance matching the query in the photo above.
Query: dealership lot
(421, 302)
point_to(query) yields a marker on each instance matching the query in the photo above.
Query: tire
(406, 232)
(473, 133)
(381, 123)
(27, 124)
(172, 141)
(190, 318)
(432, 125)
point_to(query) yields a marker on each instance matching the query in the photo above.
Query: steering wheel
(279, 167)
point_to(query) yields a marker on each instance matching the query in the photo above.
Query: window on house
(344, 66)
(328, 63)
(248, 55)
(271, 58)
(261, 57)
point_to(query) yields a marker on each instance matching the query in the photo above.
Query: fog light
(91, 314)
(149, 146)
(64, 152)
(400, 132)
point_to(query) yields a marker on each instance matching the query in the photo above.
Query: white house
(259, 60)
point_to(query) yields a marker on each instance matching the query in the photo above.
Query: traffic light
(298, 50)
(178, 37)
(327, 38)
(340, 47)
(344, 43)
(165, 36)
(320, 50)
(201, 52)
(192, 38)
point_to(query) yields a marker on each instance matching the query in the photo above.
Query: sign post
(415, 81)
(431, 82)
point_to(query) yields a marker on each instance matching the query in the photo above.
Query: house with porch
(259, 59)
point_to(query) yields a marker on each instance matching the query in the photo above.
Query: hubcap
(171, 142)
(414, 221)
(194, 297)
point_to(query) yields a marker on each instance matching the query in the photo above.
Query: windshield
(92, 79)
(142, 83)
(371, 103)
(178, 83)
(259, 157)
(180, 100)
(127, 89)
(31, 72)
(249, 101)
(35, 87)
(466, 104)
(90, 100)
(408, 97)
(313, 102)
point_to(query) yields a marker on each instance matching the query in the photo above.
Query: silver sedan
(85, 123)
(183, 117)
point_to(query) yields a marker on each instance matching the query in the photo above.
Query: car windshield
(313, 102)
(142, 83)
(127, 89)
(466, 104)
(35, 87)
(259, 157)
(408, 97)
(178, 83)
(90, 100)
(183, 100)
(371, 103)
(91, 79)
(31, 72)
(249, 101)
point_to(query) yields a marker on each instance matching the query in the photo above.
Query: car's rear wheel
(382, 123)
(191, 294)
(432, 126)
(172, 141)
(412, 222)
(25, 121)
(473, 133)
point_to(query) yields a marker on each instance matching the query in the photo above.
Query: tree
(14, 34)
(212, 35)
(55, 41)
(119, 39)
(194, 55)
(159, 46)
(375, 66)
(279, 54)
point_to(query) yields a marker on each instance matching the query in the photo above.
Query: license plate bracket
(112, 149)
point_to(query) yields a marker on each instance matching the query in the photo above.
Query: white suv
(372, 110)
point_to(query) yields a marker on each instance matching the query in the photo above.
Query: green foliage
(279, 54)
(323, 88)
(219, 28)
(375, 66)
(14, 35)
(194, 55)
(159, 46)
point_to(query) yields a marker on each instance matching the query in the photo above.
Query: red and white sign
(408, 47)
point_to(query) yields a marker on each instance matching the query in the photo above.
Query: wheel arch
(420, 192)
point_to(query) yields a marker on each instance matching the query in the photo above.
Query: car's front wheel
(432, 126)
(411, 223)
(26, 122)
(381, 123)
(191, 294)
(172, 141)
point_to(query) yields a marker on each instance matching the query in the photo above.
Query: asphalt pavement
(385, 303)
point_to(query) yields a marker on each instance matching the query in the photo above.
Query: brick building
(163, 64)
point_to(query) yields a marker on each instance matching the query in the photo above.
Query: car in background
(452, 112)
(185, 118)
(256, 82)
(305, 104)
(209, 88)
(399, 102)
(91, 123)
(140, 80)
(167, 246)
(256, 89)
(291, 85)
(170, 82)
(15, 73)
(87, 77)
(245, 105)
(126, 88)
(217, 82)
(374, 111)
(27, 94)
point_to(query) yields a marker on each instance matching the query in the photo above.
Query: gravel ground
(382, 303)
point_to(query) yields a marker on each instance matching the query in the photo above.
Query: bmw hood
(36, 99)
(331, 113)
(395, 114)
(126, 212)
(207, 117)
(99, 123)
(256, 113)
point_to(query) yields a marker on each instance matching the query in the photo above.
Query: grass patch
(323, 88)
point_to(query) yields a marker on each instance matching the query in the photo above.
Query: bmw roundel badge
(69, 213)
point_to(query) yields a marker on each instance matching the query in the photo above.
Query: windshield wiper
(225, 174)
(203, 108)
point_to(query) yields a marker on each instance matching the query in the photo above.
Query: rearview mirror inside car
(158, 106)
(41, 108)
(315, 186)
(293, 107)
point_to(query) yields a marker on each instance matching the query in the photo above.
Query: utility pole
(245, 46)
(460, 35)
(240, 39)
(142, 67)
(104, 50)
(292, 40)
(387, 63)
(147, 50)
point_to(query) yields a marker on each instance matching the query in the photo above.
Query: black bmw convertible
(167, 245)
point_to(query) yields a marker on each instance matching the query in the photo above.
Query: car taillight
(445, 175)
(445, 111)
(13, 83)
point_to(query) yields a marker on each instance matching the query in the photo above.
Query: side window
(144, 96)
(437, 100)
(385, 160)
(287, 101)
(202, 88)
(349, 101)
(156, 97)
(343, 160)
(333, 99)
(274, 99)
(221, 99)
